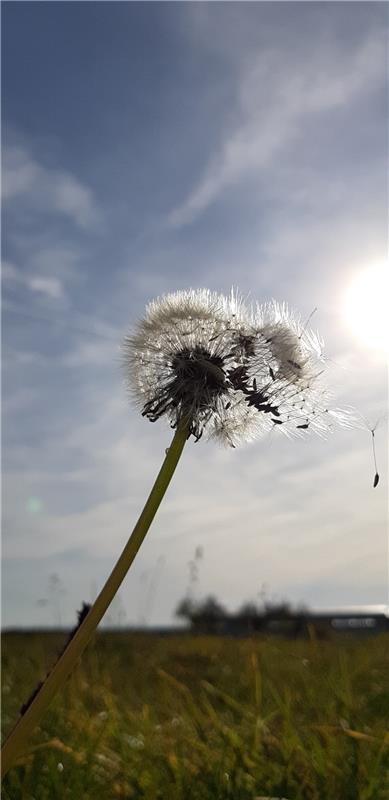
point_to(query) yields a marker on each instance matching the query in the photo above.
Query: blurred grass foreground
(186, 717)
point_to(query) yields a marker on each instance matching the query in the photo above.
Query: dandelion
(179, 359)
(233, 373)
(212, 366)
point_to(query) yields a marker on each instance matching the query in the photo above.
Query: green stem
(13, 746)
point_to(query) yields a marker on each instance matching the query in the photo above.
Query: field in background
(195, 718)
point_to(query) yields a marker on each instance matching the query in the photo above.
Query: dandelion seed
(372, 429)
(376, 476)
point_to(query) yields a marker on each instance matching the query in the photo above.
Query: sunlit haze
(366, 306)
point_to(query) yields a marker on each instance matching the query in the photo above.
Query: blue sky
(149, 147)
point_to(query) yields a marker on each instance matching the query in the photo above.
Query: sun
(366, 307)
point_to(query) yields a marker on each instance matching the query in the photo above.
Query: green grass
(204, 719)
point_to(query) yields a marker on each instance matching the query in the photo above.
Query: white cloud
(46, 189)
(277, 96)
(73, 199)
(44, 259)
(50, 287)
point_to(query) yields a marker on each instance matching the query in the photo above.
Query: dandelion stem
(14, 745)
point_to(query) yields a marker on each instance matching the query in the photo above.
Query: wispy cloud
(50, 287)
(50, 218)
(46, 189)
(276, 98)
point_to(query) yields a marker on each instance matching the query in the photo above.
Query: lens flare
(34, 505)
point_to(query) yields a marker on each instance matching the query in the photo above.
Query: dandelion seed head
(179, 356)
(228, 370)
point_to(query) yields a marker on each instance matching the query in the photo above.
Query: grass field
(201, 718)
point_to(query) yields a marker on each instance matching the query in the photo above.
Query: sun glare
(366, 307)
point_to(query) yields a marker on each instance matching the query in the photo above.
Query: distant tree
(249, 610)
(204, 615)
(186, 609)
(249, 617)
(210, 609)
(210, 616)
(279, 610)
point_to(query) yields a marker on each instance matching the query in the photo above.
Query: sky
(150, 147)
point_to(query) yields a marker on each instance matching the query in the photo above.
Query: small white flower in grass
(227, 370)
(135, 742)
